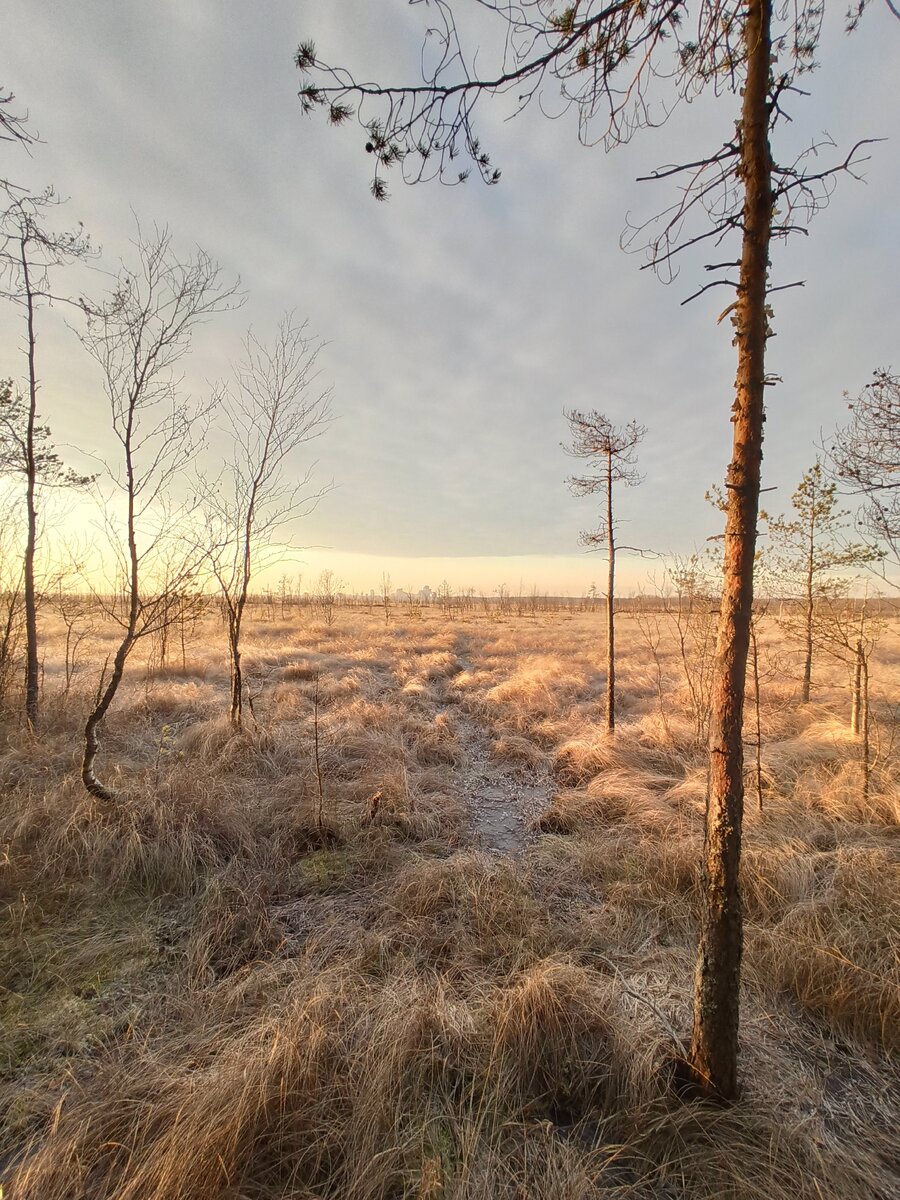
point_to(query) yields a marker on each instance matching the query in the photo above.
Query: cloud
(460, 321)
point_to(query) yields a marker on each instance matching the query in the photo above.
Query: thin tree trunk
(105, 699)
(237, 676)
(31, 638)
(754, 648)
(320, 812)
(808, 614)
(237, 687)
(95, 719)
(856, 702)
(714, 1042)
(610, 606)
(864, 723)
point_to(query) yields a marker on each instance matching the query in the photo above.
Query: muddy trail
(502, 799)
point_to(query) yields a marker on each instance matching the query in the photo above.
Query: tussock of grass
(836, 949)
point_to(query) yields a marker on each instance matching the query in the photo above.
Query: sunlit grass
(208, 992)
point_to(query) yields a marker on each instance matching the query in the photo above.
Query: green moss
(324, 870)
(69, 970)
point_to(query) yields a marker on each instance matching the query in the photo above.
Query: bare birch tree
(606, 57)
(612, 453)
(274, 405)
(29, 253)
(138, 338)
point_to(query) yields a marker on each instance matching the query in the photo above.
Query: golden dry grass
(206, 994)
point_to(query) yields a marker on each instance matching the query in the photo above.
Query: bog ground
(456, 959)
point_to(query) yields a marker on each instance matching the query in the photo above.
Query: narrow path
(503, 800)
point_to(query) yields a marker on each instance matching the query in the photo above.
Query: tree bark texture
(31, 637)
(714, 1042)
(237, 677)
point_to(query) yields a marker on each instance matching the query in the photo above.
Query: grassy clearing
(205, 994)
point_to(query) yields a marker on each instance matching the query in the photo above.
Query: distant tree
(689, 601)
(386, 595)
(622, 67)
(611, 452)
(805, 552)
(29, 254)
(325, 595)
(75, 611)
(444, 597)
(272, 407)
(865, 459)
(285, 594)
(851, 630)
(138, 339)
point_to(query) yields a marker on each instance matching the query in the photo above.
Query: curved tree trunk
(95, 719)
(714, 1043)
(130, 636)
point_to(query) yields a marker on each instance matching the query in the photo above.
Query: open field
(471, 977)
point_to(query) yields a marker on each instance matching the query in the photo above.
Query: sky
(458, 322)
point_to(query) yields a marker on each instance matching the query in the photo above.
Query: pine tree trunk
(610, 608)
(31, 637)
(714, 1043)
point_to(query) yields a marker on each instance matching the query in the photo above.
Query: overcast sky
(460, 321)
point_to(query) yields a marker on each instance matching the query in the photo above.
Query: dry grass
(206, 994)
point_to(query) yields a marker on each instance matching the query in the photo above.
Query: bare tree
(606, 58)
(611, 452)
(29, 253)
(325, 595)
(138, 338)
(865, 459)
(690, 604)
(76, 611)
(273, 406)
(805, 553)
(851, 630)
(386, 595)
